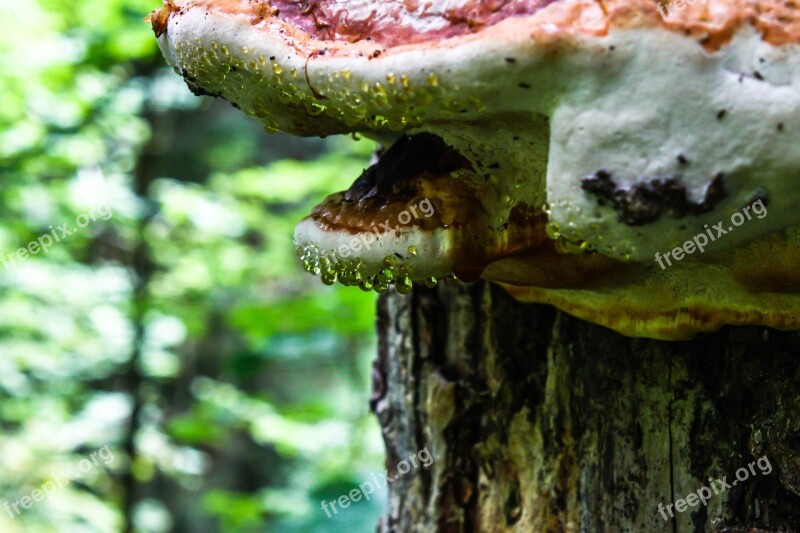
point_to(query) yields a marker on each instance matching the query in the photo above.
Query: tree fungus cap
(634, 163)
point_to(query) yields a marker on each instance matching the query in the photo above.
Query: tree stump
(538, 421)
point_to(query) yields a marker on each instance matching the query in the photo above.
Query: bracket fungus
(628, 161)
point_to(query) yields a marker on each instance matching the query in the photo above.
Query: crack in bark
(671, 440)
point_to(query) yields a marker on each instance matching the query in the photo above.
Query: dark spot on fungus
(721, 114)
(682, 160)
(758, 75)
(644, 203)
(525, 85)
(511, 60)
(780, 126)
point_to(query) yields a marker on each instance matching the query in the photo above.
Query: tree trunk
(538, 421)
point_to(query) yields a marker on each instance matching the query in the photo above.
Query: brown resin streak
(160, 17)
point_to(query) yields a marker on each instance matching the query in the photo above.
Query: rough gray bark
(538, 421)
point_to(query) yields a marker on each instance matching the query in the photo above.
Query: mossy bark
(538, 421)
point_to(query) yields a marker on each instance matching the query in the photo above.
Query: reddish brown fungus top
(396, 22)
(393, 23)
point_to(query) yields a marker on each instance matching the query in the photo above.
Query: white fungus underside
(430, 249)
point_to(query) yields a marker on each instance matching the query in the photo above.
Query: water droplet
(380, 286)
(403, 285)
(385, 276)
(315, 109)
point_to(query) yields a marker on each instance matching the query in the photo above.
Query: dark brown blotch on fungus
(645, 202)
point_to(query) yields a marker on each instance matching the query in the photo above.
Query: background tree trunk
(538, 421)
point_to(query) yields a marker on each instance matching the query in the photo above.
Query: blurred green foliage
(176, 327)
